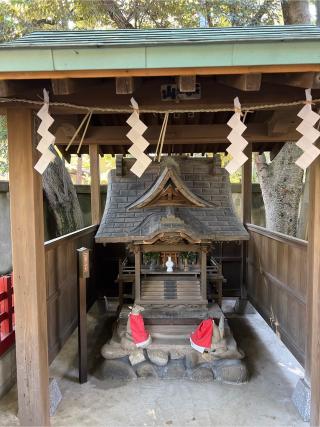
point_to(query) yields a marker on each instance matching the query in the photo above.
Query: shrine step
(161, 290)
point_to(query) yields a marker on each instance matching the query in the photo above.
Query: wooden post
(95, 184)
(83, 274)
(313, 310)
(204, 273)
(246, 202)
(137, 263)
(27, 233)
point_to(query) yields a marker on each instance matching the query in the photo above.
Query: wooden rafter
(244, 82)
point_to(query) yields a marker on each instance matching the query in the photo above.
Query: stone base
(55, 396)
(229, 371)
(170, 354)
(301, 399)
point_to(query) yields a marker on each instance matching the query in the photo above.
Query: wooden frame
(26, 205)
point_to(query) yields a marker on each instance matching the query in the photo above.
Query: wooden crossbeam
(282, 121)
(12, 87)
(187, 83)
(124, 85)
(303, 80)
(176, 134)
(64, 86)
(245, 82)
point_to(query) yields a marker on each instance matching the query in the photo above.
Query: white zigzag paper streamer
(238, 143)
(47, 138)
(309, 133)
(139, 142)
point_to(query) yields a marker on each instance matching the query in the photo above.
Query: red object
(7, 335)
(138, 330)
(202, 336)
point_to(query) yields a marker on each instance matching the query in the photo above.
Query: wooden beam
(137, 264)
(27, 232)
(11, 87)
(124, 85)
(213, 95)
(63, 86)
(95, 184)
(175, 134)
(245, 82)
(187, 83)
(152, 72)
(203, 267)
(303, 80)
(313, 310)
(283, 121)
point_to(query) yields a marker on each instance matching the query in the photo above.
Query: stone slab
(55, 396)
(301, 399)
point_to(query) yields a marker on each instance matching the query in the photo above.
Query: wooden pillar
(95, 184)
(204, 273)
(246, 202)
(137, 263)
(313, 299)
(27, 233)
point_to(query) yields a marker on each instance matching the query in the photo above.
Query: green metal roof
(149, 49)
(148, 37)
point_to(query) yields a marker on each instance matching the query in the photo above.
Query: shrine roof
(125, 221)
(165, 36)
(131, 49)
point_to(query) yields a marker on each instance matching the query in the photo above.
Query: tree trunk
(62, 198)
(281, 180)
(295, 12)
(281, 187)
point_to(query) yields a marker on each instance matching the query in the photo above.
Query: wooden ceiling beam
(176, 134)
(187, 83)
(124, 85)
(244, 82)
(302, 80)
(64, 86)
(13, 87)
(283, 121)
(213, 95)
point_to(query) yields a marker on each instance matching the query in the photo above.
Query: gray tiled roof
(202, 176)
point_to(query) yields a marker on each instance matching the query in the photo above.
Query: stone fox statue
(209, 337)
(136, 331)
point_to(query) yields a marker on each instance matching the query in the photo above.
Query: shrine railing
(7, 335)
(277, 284)
(61, 280)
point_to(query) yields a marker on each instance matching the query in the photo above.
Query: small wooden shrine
(179, 208)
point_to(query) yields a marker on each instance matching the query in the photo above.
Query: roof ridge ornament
(309, 133)
(169, 190)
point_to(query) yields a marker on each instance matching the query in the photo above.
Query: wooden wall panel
(277, 284)
(61, 280)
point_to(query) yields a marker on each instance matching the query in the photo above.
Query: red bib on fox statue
(136, 330)
(201, 338)
(139, 333)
